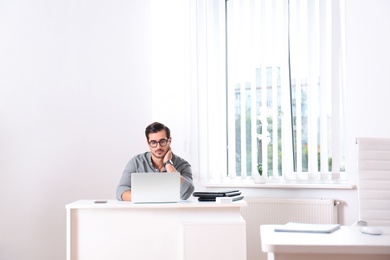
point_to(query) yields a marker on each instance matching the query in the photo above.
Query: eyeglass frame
(159, 142)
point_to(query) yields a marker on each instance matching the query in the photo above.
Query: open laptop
(152, 187)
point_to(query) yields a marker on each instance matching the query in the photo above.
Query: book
(219, 193)
(234, 198)
(308, 228)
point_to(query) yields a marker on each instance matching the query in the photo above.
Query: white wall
(76, 81)
(368, 63)
(368, 57)
(75, 87)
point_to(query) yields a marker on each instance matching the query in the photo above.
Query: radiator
(262, 211)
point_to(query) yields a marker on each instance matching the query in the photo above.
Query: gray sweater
(143, 163)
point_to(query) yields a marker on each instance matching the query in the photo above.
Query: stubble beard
(159, 155)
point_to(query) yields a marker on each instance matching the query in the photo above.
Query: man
(159, 159)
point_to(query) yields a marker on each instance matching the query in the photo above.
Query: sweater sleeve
(125, 181)
(187, 186)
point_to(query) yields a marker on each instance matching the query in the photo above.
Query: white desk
(186, 230)
(346, 243)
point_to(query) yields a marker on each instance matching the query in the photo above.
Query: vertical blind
(282, 80)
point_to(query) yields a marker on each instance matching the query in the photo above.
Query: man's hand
(168, 155)
(170, 167)
(126, 196)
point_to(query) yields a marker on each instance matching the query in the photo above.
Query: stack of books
(213, 195)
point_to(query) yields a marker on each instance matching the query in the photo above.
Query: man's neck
(158, 162)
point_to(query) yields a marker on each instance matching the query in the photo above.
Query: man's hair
(156, 127)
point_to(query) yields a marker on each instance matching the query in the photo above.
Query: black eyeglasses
(162, 142)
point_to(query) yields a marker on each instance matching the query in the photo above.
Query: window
(270, 73)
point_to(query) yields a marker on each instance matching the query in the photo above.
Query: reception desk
(187, 230)
(346, 243)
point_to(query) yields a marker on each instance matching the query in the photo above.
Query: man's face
(158, 151)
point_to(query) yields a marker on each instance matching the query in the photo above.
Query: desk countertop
(111, 204)
(345, 240)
